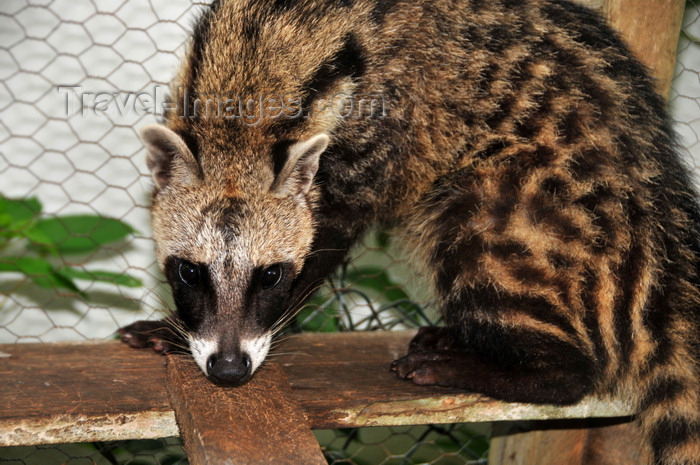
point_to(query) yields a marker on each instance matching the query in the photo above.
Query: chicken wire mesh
(77, 80)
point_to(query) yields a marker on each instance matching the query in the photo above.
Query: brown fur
(522, 155)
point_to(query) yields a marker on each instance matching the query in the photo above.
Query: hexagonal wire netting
(71, 72)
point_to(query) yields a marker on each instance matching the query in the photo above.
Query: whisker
(277, 354)
(277, 341)
(179, 352)
(315, 252)
(292, 311)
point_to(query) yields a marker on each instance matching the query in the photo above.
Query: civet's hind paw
(440, 367)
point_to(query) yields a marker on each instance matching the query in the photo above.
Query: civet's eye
(189, 273)
(271, 276)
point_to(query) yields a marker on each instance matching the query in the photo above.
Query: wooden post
(615, 441)
(651, 29)
(550, 443)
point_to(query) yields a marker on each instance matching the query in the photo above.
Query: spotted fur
(522, 155)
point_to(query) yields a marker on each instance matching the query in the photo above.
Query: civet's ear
(168, 158)
(297, 174)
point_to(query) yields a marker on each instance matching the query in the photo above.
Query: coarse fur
(521, 153)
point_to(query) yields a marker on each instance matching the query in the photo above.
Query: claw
(158, 335)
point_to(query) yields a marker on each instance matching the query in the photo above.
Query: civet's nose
(229, 370)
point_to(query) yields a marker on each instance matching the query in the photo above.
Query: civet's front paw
(159, 335)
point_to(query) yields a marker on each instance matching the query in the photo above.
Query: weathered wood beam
(75, 392)
(79, 392)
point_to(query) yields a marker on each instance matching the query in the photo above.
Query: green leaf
(78, 234)
(174, 458)
(15, 214)
(39, 237)
(378, 280)
(6, 266)
(40, 271)
(26, 265)
(118, 279)
(319, 315)
(383, 239)
(143, 445)
(141, 461)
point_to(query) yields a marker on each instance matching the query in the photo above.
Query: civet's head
(232, 231)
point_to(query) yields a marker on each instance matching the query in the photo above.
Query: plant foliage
(39, 246)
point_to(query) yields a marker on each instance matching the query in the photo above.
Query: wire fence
(77, 80)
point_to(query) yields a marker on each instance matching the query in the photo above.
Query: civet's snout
(229, 369)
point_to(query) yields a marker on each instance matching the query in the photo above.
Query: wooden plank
(258, 423)
(651, 29)
(343, 380)
(54, 393)
(105, 391)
